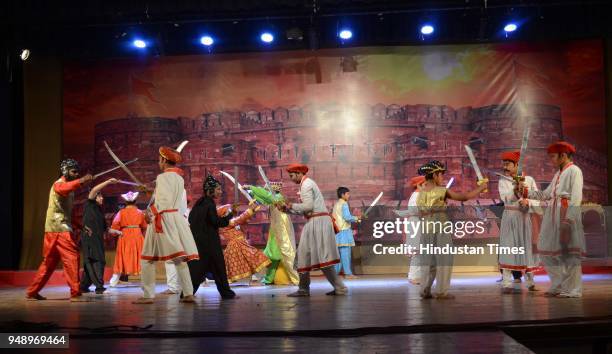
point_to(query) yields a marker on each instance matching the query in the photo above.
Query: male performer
(172, 284)
(317, 248)
(561, 244)
(414, 238)
(132, 224)
(344, 238)
(92, 239)
(168, 237)
(280, 247)
(205, 224)
(432, 207)
(516, 226)
(59, 242)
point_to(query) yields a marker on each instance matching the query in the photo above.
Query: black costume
(205, 225)
(92, 244)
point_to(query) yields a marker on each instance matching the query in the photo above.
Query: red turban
(170, 154)
(513, 156)
(298, 168)
(561, 147)
(415, 181)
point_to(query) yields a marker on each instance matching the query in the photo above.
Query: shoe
(80, 299)
(100, 291)
(300, 293)
(85, 291)
(35, 297)
(235, 297)
(550, 294)
(335, 293)
(143, 301)
(569, 295)
(188, 299)
(426, 296)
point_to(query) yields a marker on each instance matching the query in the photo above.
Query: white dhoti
(438, 267)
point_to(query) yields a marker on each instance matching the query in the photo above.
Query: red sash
(158, 217)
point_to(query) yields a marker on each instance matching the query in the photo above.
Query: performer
(414, 238)
(92, 239)
(317, 248)
(241, 259)
(561, 244)
(205, 224)
(344, 238)
(431, 202)
(59, 242)
(132, 224)
(517, 226)
(169, 236)
(280, 248)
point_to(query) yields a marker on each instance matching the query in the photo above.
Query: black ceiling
(103, 28)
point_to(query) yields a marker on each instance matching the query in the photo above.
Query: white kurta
(317, 247)
(516, 228)
(414, 238)
(175, 242)
(566, 184)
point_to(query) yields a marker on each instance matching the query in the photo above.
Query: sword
(372, 205)
(474, 165)
(450, 183)
(114, 168)
(236, 197)
(122, 165)
(519, 169)
(265, 178)
(238, 185)
(504, 176)
(128, 183)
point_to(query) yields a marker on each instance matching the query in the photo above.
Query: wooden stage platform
(382, 313)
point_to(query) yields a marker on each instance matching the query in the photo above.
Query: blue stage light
(345, 34)
(267, 37)
(427, 29)
(139, 43)
(207, 40)
(510, 27)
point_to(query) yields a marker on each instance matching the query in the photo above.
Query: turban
(130, 196)
(67, 165)
(513, 156)
(297, 167)
(431, 167)
(276, 186)
(170, 154)
(561, 147)
(211, 183)
(416, 180)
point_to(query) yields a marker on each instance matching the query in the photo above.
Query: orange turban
(416, 180)
(298, 168)
(513, 156)
(561, 147)
(170, 154)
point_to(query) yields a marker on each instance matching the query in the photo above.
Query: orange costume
(241, 259)
(59, 242)
(131, 222)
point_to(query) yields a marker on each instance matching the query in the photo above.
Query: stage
(383, 312)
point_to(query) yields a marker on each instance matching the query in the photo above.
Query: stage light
(510, 27)
(267, 37)
(207, 40)
(427, 29)
(25, 54)
(139, 43)
(345, 34)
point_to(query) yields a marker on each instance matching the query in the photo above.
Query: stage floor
(381, 306)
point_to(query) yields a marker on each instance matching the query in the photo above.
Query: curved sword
(264, 177)
(122, 165)
(114, 168)
(238, 185)
(373, 203)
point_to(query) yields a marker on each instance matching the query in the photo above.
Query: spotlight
(427, 29)
(25, 54)
(139, 43)
(345, 34)
(510, 27)
(267, 37)
(207, 40)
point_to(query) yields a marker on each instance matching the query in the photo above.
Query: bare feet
(143, 301)
(507, 290)
(351, 276)
(549, 294)
(188, 299)
(80, 299)
(35, 297)
(532, 288)
(426, 296)
(168, 292)
(414, 282)
(444, 296)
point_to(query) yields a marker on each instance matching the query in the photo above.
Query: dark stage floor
(382, 314)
